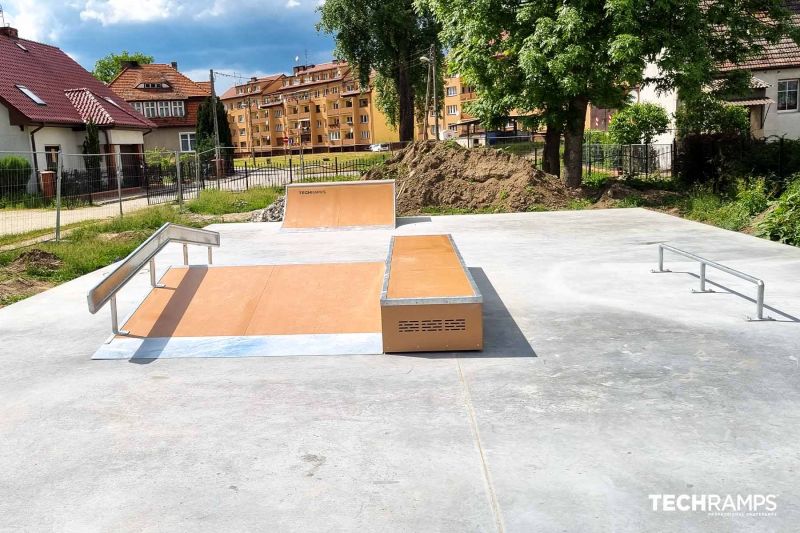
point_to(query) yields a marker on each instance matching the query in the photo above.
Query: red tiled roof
(58, 80)
(127, 82)
(231, 92)
(783, 54)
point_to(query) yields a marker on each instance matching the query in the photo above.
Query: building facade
(320, 108)
(163, 95)
(46, 101)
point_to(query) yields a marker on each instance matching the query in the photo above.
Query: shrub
(752, 196)
(595, 179)
(15, 172)
(783, 222)
(705, 114)
(596, 137)
(638, 123)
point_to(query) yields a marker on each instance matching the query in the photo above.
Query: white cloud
(109, 12)
(292, 4)
(35, 20)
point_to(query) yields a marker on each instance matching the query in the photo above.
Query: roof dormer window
(152, 85)
(32, 95)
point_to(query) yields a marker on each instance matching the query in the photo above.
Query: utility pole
(427, 103)
(435, 100)
(216, 123)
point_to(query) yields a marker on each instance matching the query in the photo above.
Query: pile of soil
(431, 174)
(17, 288)
(35, 259)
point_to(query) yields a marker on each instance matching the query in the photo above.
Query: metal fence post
(290, 170)
(178, 178)
(246, 178)
(59, 162)
(118, 158)
(336, 166)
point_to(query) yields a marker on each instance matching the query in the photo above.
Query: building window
(242, 132)
(178, 109)
(349, 120)
(452, 127)
(452, 110)
(452, 91)
(316, 108)
(319, 139)
(188, 142)
(243, 144)
(364, 119)
(138, 107)
(150, 109)
(363, 102)
(278, 113)
(365, 134)
(164, 109)
(279, 127)
(334, 136)
(348, 102)
(348, 135)
(240, 118)
(51, 157)
(787, 95)
(336, 105)
(319, 123)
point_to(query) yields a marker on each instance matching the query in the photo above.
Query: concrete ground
(601, 384)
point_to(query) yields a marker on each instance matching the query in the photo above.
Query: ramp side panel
(432, 328)
(356, 204)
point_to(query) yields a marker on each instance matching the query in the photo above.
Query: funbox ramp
(340, 205)
(422, 298)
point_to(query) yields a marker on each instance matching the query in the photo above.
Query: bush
(638, 124)
(707, 115)
(783, 222)
(596, 137)
(752, 196)
(596, 179)
(15, 172)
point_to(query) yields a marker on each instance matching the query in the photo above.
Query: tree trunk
(551, 158)
(573, 143)
(405, 97)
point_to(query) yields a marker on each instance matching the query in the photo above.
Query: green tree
(107, 68)
(638, 123)
(205, 127)
(91, 154)
(551, 59)
(388, 38)
(705, 114)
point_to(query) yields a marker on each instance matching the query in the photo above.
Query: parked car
(379, 147)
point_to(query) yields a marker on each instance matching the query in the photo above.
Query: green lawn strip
(220, 202)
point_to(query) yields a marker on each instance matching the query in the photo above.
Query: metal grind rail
(713, 264)
(106, 290)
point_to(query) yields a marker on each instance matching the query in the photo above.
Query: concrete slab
(600, 384)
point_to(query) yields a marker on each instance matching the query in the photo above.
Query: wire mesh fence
(629, 160)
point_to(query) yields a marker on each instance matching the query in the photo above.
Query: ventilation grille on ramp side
(428, 326)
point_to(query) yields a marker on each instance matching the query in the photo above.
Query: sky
(242, 37)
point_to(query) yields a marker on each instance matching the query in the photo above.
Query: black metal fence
(629, 160)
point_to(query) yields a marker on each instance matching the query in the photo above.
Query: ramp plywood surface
(339, 205)
(426, 266)
(262, 300)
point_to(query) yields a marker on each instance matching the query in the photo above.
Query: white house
(46, 100)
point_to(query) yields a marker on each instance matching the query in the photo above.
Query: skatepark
(598, 383)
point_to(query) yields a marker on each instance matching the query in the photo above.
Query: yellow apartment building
(319, 107)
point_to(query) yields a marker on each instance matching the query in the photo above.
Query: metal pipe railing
(713, 264)
(106, 290)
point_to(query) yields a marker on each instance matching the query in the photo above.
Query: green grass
(94, 245)
(446, 210)
(283, 160)
(218, 202)
(576, 204)
(596, 179)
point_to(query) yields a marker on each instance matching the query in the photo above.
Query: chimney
(175, 65)
(8, 31)
(129, 64)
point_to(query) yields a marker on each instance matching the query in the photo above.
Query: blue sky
(246, 37)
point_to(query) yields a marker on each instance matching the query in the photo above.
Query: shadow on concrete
(502, 337)
(407, 221)
(786, 316)
(170, 317)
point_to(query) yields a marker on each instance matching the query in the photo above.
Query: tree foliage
(704, 114)
(638, 123)
(551, 58)
(91, 150)
(107, 68)
(205, 125)
(387, 38)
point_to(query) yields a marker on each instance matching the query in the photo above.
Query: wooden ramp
(429, 301)
(237, 311)
(340, 205)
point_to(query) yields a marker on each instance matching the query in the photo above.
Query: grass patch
(219, 202)
(577, 204)
(86, 248)
(283, 160)
(596, 179)
(447, 210)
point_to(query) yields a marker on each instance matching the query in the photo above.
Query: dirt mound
(431, 174)
(35, 260)
(12, 290)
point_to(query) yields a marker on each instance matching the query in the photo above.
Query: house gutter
(33, 149)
